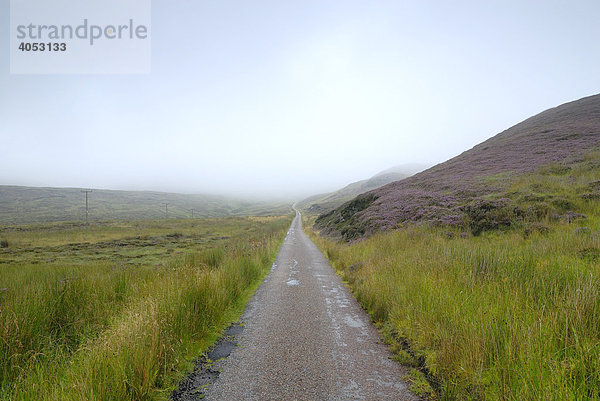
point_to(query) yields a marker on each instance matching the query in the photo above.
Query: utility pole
(166, 209)
(86, 191)
(193, 210)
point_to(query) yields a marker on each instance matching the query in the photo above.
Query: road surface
(306, 338)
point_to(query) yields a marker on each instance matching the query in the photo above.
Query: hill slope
(448, 192)
(326, 202)
(31, 204)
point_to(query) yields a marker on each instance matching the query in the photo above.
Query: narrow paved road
(306, 338)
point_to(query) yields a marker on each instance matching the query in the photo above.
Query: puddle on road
(353, 322)
(292, 282)
(221, 350)
(292, 267)
(234, 330)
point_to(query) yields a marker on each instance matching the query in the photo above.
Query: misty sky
(297, 97)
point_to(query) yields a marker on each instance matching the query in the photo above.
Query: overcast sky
(297, 97)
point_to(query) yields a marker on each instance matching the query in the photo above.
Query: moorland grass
(124, 331)
(510, 314)
(23, 205)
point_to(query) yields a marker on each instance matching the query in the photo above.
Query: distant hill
(325, 202)
(445, 193)
(404, 169)
(30, 204)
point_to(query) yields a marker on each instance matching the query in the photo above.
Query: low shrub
(484, 214)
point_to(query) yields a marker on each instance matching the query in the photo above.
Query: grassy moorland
(504, 304)
(23, 205)
(116, 311)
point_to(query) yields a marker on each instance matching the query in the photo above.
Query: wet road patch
(205, 373)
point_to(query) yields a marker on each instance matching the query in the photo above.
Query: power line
(166, 209)
(193, 210)
(86, 191)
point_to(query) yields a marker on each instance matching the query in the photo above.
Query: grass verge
(511, 314)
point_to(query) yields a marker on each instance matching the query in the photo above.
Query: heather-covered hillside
(473, 189)
(326, 202)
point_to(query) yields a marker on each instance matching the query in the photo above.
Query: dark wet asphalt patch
(221, 350)
(234, 330)
(196, 384)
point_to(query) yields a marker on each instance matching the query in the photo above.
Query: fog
(261, 98)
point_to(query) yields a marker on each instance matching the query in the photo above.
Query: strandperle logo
(80, 36)
(84, 31)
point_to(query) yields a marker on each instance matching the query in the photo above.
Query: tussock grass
(493, 317)
(100, 331)
(510, 314)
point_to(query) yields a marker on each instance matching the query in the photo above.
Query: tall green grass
(104, 332)
(513, 314)
(496, 317)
